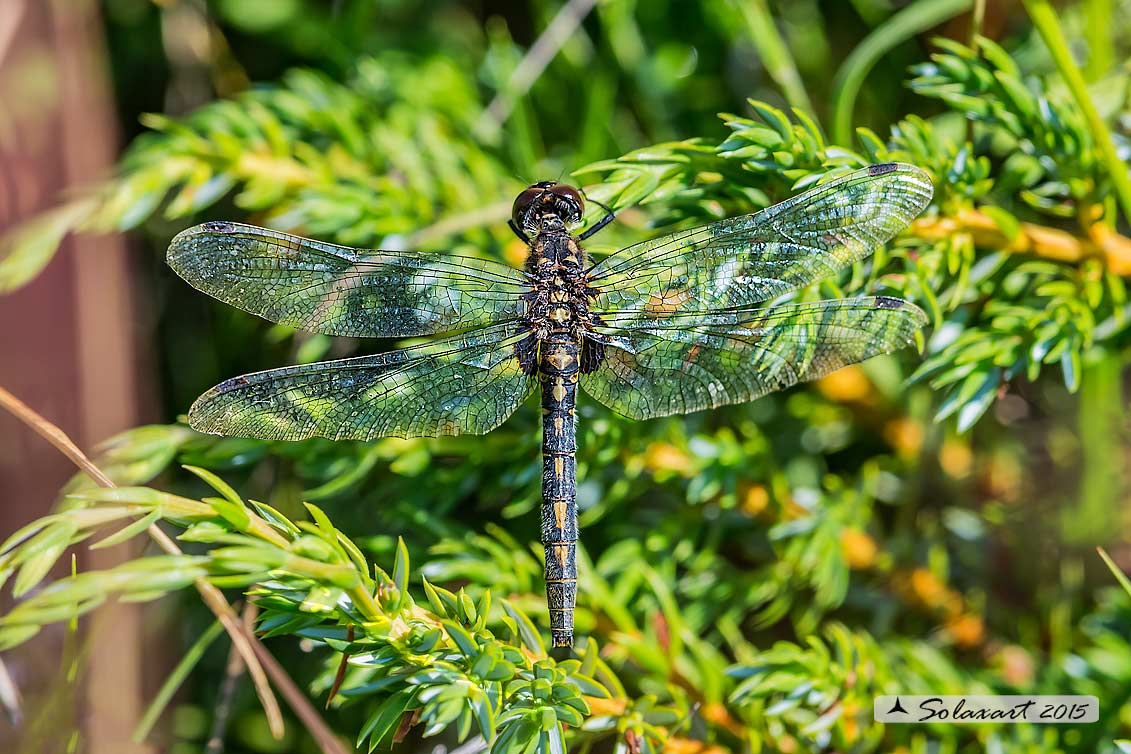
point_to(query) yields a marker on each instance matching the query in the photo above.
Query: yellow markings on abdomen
(561, 552)
(560, 359)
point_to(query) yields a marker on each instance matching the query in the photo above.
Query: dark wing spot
(887, 302)
(883, 168)
(218, 226)
(234, 383)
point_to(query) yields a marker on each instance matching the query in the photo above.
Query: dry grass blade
(10, 16)
(232, 673)
(10, 696)
(340, 675)
(532, 64)
(259, 661)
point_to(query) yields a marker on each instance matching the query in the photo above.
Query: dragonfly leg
(608, 218)
(519, 232)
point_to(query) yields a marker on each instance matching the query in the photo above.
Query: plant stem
(243, 640)
(912, 20)
(544, 49)
(1049, 243)
(453, 224)
(977, 20)
(300, 705)
(775, 53)
(361, 597)
(1044, 19)
(176, 678)
(1115, 571)
(1097, 29)
(234, 668)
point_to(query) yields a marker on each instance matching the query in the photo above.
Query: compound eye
(570, 198)
(523, 203)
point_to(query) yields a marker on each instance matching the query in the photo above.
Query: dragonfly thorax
(558, 304)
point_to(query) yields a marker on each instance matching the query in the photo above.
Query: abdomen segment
(557, 370)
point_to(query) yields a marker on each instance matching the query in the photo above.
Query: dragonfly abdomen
(558, 368)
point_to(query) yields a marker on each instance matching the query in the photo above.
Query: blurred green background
(759, 571)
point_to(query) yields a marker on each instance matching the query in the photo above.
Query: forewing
(467, 384)
(755, 258)
(692, 362)
(337, 290)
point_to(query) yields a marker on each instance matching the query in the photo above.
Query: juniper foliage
(753, 577)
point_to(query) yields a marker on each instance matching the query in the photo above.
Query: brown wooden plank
(71, 353)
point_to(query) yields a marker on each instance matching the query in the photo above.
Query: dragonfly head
(547, 198)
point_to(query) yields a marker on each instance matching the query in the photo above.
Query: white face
(547, 221)
(537, 207)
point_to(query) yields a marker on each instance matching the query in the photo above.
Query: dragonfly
(689, 321)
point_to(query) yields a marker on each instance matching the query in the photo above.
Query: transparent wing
(692, 362)
(758, 257)
(337, 290)
(467, 384)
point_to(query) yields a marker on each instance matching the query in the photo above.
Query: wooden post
(67, 346)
